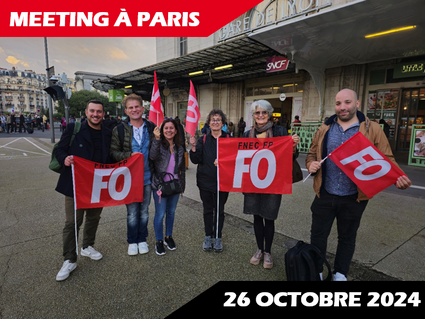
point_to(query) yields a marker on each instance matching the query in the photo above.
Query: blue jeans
(138, 217)
(166, 208)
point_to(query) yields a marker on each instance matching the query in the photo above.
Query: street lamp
(49, 101)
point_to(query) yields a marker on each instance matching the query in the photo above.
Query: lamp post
(49, 99)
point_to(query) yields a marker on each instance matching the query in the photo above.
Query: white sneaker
(91, 252)
(132, 249)
(339, 277)
(66, 269)
(143, 248)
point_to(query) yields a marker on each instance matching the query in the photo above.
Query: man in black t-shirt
(92, 143)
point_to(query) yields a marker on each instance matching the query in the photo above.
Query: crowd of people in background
(19, 123)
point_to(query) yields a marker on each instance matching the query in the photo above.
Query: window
(182, 46)
(274, 89)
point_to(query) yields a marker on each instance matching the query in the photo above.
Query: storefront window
(412, 112)
(382, 108)
(274, 89)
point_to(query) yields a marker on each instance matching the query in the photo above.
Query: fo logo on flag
(101, 185)
(253, 165)
(365, 165)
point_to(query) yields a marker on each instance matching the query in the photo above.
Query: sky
(101, 55)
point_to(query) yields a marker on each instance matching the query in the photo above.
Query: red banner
(365, 165)
(95, 18)
(255, 165)
(101, 185)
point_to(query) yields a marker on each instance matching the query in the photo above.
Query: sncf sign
(276, 63)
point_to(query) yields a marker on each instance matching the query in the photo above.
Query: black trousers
(209, 201)
(348, 213)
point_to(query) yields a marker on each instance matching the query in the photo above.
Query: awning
(247, 56)
(336, 37)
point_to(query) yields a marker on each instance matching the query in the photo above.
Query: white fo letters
(99, 184)
(378, 160)
(252, 169)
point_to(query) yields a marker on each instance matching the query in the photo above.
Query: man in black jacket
(91, 143)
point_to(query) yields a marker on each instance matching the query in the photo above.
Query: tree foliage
(78, 102)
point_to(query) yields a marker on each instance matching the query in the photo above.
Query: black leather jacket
(160, 157)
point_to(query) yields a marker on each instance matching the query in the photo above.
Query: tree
(78, 102)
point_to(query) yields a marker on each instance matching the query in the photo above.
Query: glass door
(408, 116)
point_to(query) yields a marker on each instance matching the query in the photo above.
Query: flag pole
(319, 163)
(218, 193)
(75, 210)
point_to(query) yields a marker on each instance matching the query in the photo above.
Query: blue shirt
(337, 182)
(140, 143)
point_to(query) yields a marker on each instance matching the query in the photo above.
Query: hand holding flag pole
(320, 163)
(367, 166)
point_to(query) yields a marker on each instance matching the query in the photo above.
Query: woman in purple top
(167, 155)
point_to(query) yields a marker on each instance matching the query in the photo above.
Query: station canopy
(337, 36)
(247, 57)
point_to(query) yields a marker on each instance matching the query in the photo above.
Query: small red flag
(365, 165)
(193, 114)
(156, 111)
(101, 185)
(255, 165)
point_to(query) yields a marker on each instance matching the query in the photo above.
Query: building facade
(328, 49)
(84, 81)
(376, 48)
(22, 91)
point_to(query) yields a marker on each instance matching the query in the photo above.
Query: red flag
(193, 113)
(101, 185)
(255, 165)
(365, 165)
(156, 112)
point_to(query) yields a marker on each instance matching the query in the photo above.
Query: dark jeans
(89, 232)
(348, 213)
(209, 201)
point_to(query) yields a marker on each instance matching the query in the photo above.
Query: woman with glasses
(167, 155)
(264, 207)
(204, 153)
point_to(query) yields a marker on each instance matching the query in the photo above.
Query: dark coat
(161, 156)
(205, 155)
(82, 146)
(265, 205)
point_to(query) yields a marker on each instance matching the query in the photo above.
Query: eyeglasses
(168, 118)
(215, 121)
(261, 112)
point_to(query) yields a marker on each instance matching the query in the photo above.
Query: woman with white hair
(264, 207)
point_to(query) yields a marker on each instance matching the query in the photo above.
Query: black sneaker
(159, 248)
(169, 242)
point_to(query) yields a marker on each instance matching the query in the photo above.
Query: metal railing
(305, 130)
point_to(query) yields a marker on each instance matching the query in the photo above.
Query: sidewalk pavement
(390, 246)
